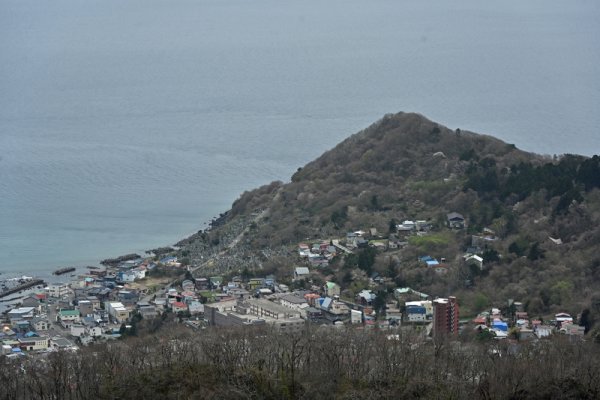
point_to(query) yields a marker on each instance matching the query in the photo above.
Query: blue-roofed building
(500, 325)
(168, 260)
(419, 311)
(326, 303)
(430, 261)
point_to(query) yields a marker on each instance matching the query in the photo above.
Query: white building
(419, 311)
(117, 311)
(77, 330)
(58, 290)
(33, 343)
(293, 302)
(21, 313)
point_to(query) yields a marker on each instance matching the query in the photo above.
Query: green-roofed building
(331, 289)
(68, 317)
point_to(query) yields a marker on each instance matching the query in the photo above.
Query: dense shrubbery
(323, 363)
(565, 179)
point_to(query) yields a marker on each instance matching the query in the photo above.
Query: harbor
(15, 285)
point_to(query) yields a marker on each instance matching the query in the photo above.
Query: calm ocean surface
(127, 124)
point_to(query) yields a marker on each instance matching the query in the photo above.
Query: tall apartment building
(445, 316)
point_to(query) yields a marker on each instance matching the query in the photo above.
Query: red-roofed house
(179, 306)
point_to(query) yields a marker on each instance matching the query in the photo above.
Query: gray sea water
(127, 124)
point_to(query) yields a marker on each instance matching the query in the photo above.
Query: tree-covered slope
(408, 167)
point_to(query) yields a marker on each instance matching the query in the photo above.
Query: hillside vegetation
(312, 364)
(544, 214)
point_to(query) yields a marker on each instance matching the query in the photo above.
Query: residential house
(377, 279)
(526, 334)
(243, 294)
(318, 260)
(423, 226)
(179, 307)
(117, 311)
(202, 284)
(301, 272)
(30, 301)
(161, 304)
(440, 269)
(356, 239)
(474, 250)
(148, 312)
(312, 299)
(455, 220)
(126, 276)
(188, 285)
(395, 243)
(62, 343)
(140, 272)
(94, 301)
(356, 317)
(68, 317)
(334, 310)
(294, 302)
(312, 313)
(303, 250)
(20, 313)
(78, 330)
(100, 293)
(260, 293)
(187, 297)
(542, 330)
(365, 297)
(85, 307)
(20, 326)
(392, 311)
(429, 261)
(562, 319)
(95, 331)
(270, 281)
(419, 311)
(331, 289)
(196, 308)
(170, 261)
(39, 324)
(362, 243)
(406, 293)
(474, 259)
(406, 227)
(379, 244)
(216, 281)
(128, 297)
(572, 329)
(256, 283)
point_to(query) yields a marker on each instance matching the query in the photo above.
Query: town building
(117, 311)
(58, 290)
(445, 316)
(68, 317)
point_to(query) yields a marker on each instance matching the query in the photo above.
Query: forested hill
(406, 167)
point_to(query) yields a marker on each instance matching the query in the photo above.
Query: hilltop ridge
(406, 167)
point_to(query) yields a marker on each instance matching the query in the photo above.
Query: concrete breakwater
(22, 286)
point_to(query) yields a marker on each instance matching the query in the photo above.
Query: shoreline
(47, 274)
